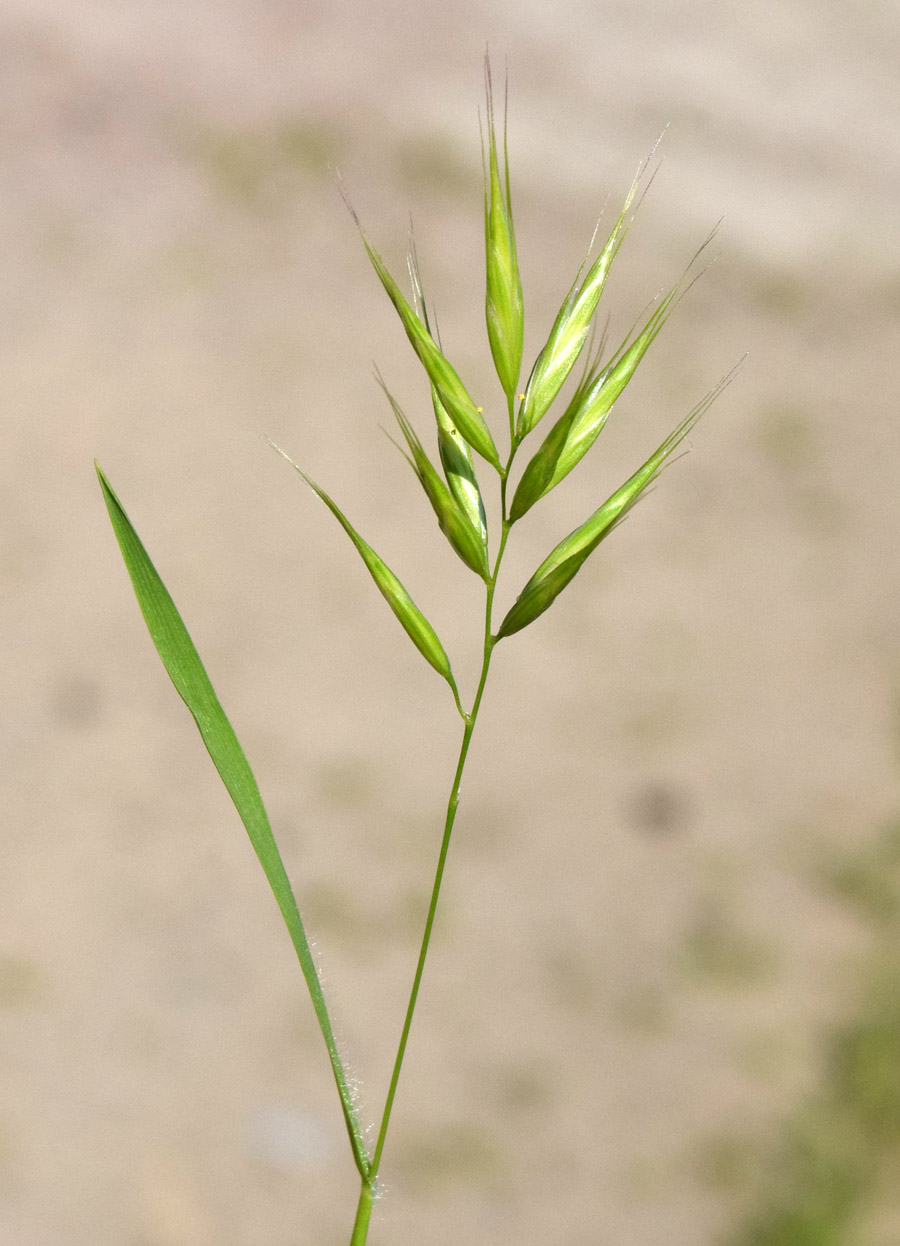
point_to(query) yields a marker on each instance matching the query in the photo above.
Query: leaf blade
(185, 668)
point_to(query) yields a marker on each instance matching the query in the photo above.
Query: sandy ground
(637, 958)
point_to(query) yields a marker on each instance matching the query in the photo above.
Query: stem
(452, 806)
(363, 1214)
(370, 1177)
(511, 412)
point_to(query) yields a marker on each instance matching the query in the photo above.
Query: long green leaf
(182, 662)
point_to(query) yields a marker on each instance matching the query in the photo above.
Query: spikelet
(503, 298)
(413, 621)
(585, 417)
(441, 373)
(564, 562)
(452, 520)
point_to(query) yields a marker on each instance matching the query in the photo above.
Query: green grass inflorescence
(453, 488)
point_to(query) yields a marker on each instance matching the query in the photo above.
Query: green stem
(452, 806)
(370, 1177)
(363, 1214)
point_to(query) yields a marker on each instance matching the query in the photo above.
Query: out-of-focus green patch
(188, 264)
(260, 166)
(726, 1163)
(767, 1056)
(810, 1190)
(831, 1176)
(786, 435)
(21, 981)
(457, 1155)
(868, 880)
(644, 1011)
(716, 951)
(814, 1187)
(865, 1065)
(433, 163)
(879, 1222)
(309, 145)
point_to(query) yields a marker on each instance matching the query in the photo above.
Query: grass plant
(453, 488)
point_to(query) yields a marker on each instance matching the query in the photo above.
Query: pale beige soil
(637, 959)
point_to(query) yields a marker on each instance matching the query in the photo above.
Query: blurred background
(661, 1001)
